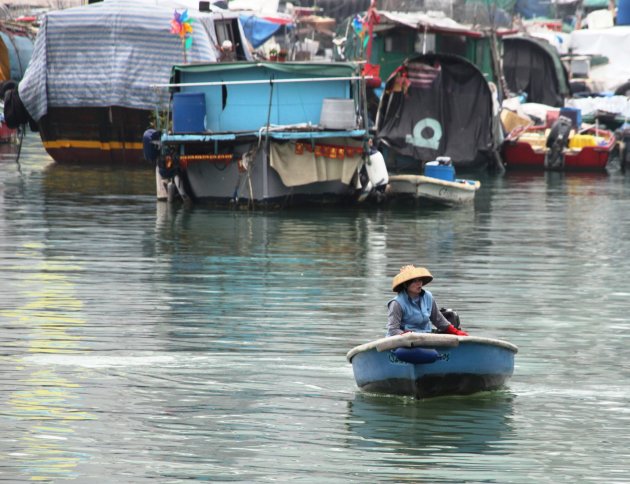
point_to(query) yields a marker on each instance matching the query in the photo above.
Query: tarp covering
(301, 167)
(258, 30)
(436, 105)
(612, 43)
(109, 54)
(532, 66)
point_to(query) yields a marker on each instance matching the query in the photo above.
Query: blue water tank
(574, 114)
(623, 12)
(441, 170)
(189, 112)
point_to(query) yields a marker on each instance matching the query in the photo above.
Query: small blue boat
(426, 365)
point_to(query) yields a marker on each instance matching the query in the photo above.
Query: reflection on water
(72, 181)
(474, 424)
(141, 341)
(42, 402)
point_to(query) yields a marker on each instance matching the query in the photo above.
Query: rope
(21, 130)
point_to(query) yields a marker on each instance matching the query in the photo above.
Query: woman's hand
(457, 332)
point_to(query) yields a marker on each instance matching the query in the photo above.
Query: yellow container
(535, 140)
(582, 140)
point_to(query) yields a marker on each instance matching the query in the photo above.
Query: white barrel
(376, 169)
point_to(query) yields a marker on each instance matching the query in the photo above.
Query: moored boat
(437, 185)
(6, 134)
(430, 189)
(426, 365)
(264, 133)
(542, 148)
(385, 39)
(91, 100)
(431, 64)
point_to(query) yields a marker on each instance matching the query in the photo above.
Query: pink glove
(457, 332)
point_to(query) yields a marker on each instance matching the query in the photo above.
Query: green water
(141, 342)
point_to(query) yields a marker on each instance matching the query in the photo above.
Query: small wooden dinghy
(427, 365)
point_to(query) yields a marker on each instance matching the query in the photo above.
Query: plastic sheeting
(258, 30)
(532, 67)
(612, 43)
(446, 111)
(109, 54)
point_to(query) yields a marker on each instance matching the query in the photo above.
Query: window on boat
(227, 29)
(425, 43)
(398, 42)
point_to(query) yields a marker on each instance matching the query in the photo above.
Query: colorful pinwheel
(181, 25)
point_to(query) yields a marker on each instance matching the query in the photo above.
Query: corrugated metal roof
(50, 4)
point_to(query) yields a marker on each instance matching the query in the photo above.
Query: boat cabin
(264, 132)
(398, 36)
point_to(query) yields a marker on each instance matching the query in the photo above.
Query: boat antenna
(270, 105)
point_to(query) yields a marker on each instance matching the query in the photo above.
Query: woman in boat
(414, 309)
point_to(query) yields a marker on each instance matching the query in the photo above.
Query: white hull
(433, 189)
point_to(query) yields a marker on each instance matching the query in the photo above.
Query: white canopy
(613, 43)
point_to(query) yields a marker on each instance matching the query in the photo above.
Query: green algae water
(142, 342)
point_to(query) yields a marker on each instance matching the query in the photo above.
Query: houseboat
(391, 43)
(265, 134)
(91, 99)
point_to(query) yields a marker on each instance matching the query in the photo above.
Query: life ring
(420, 140)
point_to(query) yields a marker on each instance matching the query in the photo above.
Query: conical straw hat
(408, 273)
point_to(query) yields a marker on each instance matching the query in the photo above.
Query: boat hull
(107, 135)
(522, 155)
(433, 189)
(465, 365)
(229, 182)
(7, 134)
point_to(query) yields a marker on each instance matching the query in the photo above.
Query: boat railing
(260, 81)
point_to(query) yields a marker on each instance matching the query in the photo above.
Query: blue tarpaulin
(258, 30)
